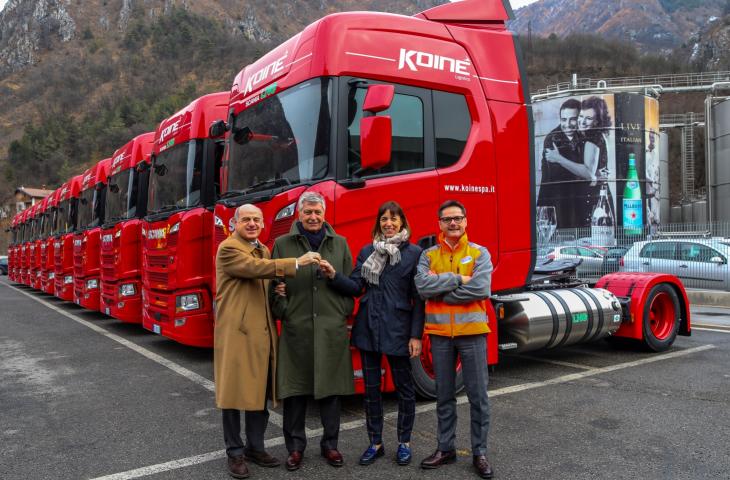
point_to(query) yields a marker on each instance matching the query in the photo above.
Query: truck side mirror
(218, 129)
(376, 133)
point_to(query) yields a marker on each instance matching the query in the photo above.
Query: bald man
(245, 337)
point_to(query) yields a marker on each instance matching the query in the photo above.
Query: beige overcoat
(245, 335)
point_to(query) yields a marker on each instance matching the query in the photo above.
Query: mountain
(651, 25)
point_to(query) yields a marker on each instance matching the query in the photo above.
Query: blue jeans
(472, 349)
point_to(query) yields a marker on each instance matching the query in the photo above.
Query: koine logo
(77, 242)
(413, 59)
(169, 130)
(274, 67)
(117, 160)
(107, 238)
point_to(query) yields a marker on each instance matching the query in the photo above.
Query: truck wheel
(424, 378)
(661, 318)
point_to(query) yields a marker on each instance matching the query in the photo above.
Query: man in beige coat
(245, 337)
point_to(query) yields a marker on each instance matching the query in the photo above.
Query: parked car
(699, 263)
(613, 259)
(590, 260)
(3, 265)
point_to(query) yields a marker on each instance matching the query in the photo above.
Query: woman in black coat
(389, 322)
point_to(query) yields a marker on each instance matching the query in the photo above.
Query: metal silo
(720, 161)
(665, 206)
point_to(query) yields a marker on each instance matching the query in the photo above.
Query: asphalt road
(85, 396)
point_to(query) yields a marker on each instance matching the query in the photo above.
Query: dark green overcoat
(314, 345)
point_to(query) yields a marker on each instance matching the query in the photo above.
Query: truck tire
(661, 318)
(423, 374)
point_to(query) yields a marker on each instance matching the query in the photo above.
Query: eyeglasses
(447, 220)
(250, 219)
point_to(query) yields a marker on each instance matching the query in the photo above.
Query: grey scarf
(385, 248)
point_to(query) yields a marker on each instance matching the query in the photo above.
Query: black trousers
(295, 412)
(255, 428)
(400, 367)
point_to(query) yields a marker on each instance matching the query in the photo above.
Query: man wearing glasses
(455, 278)
(245, 337)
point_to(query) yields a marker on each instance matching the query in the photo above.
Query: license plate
(108, 311)
(156, 329)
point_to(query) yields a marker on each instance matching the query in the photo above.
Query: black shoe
(482, 466)
(262, 459)
(333, 457)
(438, 458)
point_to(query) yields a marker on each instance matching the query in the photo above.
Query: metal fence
(696, 253)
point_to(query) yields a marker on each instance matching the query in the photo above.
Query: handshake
(311, 258)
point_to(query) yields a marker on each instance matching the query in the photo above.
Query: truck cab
(63, 261)
(121, 247)
(177, 233)
(26, 228)
(416, 109)
(35, 244)
(12, 249)
(47, 266)
(87, 235)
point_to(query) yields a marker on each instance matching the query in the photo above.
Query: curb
(709, 298)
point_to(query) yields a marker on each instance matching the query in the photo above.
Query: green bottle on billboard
(633, 211)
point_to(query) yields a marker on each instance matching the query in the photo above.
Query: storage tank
(699, 212)
(720, 161)
(676, 215)
(624, 128)
(687, 213)
(664, 204)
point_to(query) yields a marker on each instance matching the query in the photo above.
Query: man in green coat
(314, 348)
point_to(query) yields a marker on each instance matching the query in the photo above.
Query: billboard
(597, 163)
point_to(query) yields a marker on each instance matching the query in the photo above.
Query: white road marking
(710, 329)
(429, 407)
(274, 417)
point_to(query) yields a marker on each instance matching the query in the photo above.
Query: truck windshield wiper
(165, 208)
(232, 193)
(274, 182)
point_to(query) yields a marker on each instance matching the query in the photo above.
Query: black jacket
(390, 313)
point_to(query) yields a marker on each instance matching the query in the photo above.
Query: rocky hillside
(709, 48)
(652, 25)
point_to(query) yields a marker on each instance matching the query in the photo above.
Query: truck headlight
(68, 279)
(185, 303)
(175, 228)
(286, 212)
(127, 290)
(92, 284)
(51, 276)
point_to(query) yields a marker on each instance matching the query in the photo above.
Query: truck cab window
(406, 113)
(452, 123)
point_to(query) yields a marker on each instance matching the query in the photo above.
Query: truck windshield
(61, 224)
(176, 178)
(48, 222)
(88, 215)
(121, 196)
(282, 140)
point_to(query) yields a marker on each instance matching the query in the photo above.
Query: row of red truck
(362, 108)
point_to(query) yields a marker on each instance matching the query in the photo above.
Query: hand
(327, 269)
(414, 347)
(309, 258)
(465, 279)
(280, 289)
(552, 155)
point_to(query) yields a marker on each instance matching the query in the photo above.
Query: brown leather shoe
(333, 457)
(481, 464)
(438, 458)
(237, 467)
(262, 459)
(294, 461)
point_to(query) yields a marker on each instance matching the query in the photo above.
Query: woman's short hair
(311, 197)
(602, 119)
(394, 208)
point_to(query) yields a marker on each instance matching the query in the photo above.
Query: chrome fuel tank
(546, 319)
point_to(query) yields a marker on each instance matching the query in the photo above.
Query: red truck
(47, 269)
(368, 107)
(64, 238)
(13, 248)
(121, 247)
(26, 229)
(177, 233)
(87, 235)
